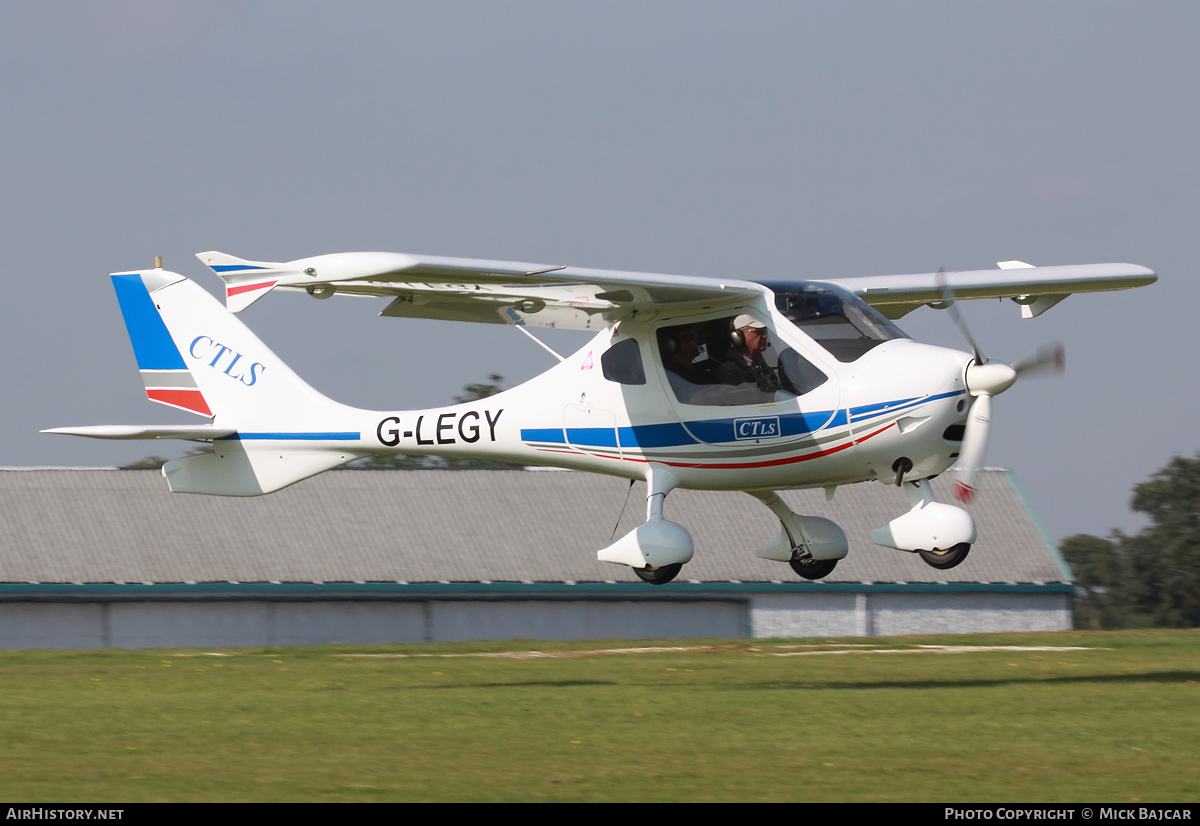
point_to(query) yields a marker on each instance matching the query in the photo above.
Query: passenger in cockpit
(722, 362)
(685, 374)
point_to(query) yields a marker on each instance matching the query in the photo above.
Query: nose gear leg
(929, 525)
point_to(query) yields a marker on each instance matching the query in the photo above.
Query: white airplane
(698, 383)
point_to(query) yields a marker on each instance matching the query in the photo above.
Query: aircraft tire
(815, 568)
(944, 560)
(661, 576)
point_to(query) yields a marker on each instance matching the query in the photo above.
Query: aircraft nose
(907, 373)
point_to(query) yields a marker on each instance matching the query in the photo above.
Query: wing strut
(540, 343)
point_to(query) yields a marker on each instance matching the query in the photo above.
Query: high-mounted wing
(1036, 289)
(513, 292)
(465, 289)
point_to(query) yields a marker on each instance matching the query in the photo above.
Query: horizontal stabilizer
(245, 281)
(133, 431)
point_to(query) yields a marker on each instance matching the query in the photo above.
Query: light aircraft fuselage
(695, 383)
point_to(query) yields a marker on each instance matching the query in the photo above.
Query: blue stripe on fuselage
(676, 434)
(550, 435)
(592, 436)
(868, 411)
(670, 434)
(296, 437)
(880, 407)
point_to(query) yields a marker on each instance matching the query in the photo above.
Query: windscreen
(835, 318)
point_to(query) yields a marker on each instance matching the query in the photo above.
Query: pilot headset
(670, 345)
(744, 320)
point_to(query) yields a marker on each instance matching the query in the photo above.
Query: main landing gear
(812, 545)
(659, 576)
(657, 549)
(813, 568)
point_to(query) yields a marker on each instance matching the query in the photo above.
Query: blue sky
(749, 139)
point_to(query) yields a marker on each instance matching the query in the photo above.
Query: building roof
(93, 526)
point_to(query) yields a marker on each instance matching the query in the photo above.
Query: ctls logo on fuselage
(229, 362)
(756, 428)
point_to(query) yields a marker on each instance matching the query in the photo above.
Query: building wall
(265, 622)
(897, 614)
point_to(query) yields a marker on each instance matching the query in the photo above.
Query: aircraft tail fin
(195, 356)
(245, 281)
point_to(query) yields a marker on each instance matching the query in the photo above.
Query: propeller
(986, 379)
(946, 296)
(1048, 357)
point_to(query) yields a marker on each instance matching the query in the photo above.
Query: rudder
(164, 372)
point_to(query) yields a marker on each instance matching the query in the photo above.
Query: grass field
(804, 720)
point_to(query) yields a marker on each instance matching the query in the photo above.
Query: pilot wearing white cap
(749, 337)
(743, 364)
(747, 320)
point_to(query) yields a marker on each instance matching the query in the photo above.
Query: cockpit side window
(731, 361)
(838, 320)
(622, 363)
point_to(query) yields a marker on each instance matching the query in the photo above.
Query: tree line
(1151, 578)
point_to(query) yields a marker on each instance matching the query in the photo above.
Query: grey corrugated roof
(74, 525)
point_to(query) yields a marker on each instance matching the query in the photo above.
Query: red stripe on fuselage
(191, 400)
(245, 288)
(742, 465)
(775, 462)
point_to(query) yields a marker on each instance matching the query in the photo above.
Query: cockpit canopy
(718, 363)
(835, 318)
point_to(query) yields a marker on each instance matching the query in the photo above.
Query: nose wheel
(943, 560)
(659, 576)
(814, 568)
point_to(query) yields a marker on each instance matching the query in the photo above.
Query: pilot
(744, 366)
(744, 361)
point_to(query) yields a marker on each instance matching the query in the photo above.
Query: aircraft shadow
(526, 684)
(1111, 679)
